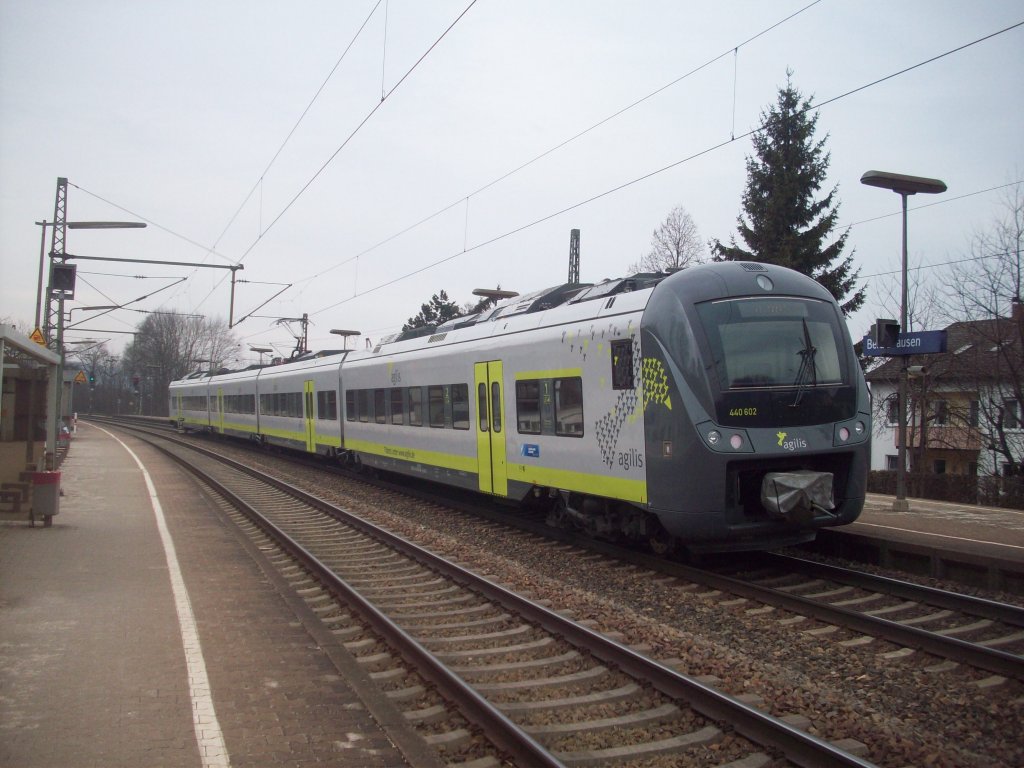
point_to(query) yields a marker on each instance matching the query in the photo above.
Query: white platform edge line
(209, 738)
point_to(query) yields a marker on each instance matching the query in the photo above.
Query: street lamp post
(904, 186)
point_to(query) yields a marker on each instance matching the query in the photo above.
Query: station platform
(141, 634)
(993, 531)
(978, 546)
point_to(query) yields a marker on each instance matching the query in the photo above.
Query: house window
(941, 413)
(974, 413)
(891, 462)
(939, 466)
(892, 410)
(1011, 414)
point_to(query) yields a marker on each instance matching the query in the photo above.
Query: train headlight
(714, 437)
(844, 434)
(736, 441)
(859, 427)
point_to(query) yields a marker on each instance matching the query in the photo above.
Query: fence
(965, 489)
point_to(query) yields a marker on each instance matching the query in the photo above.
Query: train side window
(397, 406)
(496, 406)
(379, 406)
(327, 405)
(460, 406)
(528, 407)
(363, 399)
(350, 405)
(435, 406)
(481, 406)
(415, 406)
(622, 364)
(569, 407)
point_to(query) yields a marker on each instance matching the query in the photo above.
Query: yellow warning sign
(37, 337)
(80, 377)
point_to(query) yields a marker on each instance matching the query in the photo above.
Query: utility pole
(574, 257)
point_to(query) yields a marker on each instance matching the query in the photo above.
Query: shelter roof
(18, 346)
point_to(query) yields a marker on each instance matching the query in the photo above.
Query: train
(715, 408)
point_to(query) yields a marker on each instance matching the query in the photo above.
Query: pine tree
(787, 226)
(440, 309)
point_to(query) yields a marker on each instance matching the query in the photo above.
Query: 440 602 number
(743, 411)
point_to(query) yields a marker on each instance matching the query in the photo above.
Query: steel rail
(798, 746)
(990, 659)
(955, 601)
(499, 729)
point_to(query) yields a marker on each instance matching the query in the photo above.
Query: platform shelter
(28, 382)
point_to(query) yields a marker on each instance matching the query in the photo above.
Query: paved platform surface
(93, 665)
(964, 527)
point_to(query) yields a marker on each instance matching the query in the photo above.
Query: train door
(309, 395)
(220, 410)
(490, 436)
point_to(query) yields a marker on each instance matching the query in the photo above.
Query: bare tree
(168, 346)
(675, 244)
(985, 294)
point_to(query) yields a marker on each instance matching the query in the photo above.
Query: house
(964, 412)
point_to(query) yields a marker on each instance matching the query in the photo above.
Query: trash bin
(45, 496)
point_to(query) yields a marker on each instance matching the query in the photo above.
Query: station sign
(917, 343)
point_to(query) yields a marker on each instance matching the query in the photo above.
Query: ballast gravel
(907, 708)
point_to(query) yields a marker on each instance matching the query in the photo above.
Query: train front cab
(747, 381)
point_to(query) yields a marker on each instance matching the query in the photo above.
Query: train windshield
(772, 343)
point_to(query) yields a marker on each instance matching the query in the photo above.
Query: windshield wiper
(808, 373)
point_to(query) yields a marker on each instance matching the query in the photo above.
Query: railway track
(544, 689)
(961, 628)
(958, 628)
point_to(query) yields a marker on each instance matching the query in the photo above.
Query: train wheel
(659, 540)
(557, 516)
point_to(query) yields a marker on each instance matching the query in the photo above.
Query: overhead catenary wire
(663, 169)
(384, 97)
(280, 149)
(562, 144)
(464, 200)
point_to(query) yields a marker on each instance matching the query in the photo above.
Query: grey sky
(172, 111)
